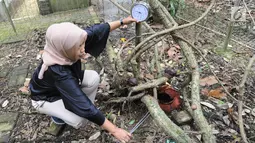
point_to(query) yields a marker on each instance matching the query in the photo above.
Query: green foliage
(174, 5)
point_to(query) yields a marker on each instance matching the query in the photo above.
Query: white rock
(247, 110)
(226, 120)
(232, 131)
(5, 103)
(18, 56)
(209, 105)
(253, 112)
(94, 136)
(230, 105)
(214, 131)
(39, 56)
(116, 50)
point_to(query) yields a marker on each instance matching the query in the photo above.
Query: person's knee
(93, 79)
(76, 122)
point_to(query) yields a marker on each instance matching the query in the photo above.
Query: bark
(164, 122)
(111, 54)
(123, 99)
(159, 12)
(198, 116)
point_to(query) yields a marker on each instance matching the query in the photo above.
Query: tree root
(123, 99)
(164, 122)
(151, 84)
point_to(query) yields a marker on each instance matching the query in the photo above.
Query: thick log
(164, 122)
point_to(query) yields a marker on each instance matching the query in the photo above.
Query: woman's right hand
(122, 135)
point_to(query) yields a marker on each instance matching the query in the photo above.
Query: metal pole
(138, 32)
(9, 16)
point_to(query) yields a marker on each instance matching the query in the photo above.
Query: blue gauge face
(140, 12)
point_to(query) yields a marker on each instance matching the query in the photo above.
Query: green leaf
(108, 115)
(132, 122)
(221, 102)
(172, 8)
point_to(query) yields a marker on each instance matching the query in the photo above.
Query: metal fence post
(9, 16)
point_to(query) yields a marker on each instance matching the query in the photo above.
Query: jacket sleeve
(97, 38)
(73, 97)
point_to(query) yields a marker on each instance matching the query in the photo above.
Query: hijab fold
(60, 39)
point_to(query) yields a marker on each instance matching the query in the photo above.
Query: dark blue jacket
(62, 82)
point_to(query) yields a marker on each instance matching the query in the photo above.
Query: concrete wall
(12, 5)
(62, 5)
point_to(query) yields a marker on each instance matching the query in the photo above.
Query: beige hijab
(62, 41)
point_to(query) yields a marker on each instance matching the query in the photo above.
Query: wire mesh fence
(219, 17)
(19, 17)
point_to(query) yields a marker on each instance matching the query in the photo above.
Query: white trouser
(89, 87)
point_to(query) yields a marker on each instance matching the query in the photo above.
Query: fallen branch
(199, 118)
(151, 84)
(123, 99)
(168, 31)
(164, 122)
(143, 49)
(118, 62)
(140, 87)
(240, 99)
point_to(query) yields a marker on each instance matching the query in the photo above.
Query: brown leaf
(210, 80)
(204, 91)
(149, 76)
(174, 53)
(157, 26)
(217, 93)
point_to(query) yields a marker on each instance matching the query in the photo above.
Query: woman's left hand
(129, 20)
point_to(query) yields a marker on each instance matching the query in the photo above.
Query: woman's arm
(118, 133)
(116, 24)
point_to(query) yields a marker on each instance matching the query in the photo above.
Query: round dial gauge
(140, 11)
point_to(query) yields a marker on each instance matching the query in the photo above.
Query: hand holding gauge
(140, 11)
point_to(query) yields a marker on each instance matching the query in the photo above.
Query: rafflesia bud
(133, 81)
(170, 72)
(193, 107)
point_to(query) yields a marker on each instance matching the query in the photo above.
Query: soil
(33, 127)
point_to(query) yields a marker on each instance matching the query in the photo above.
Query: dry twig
(240, 101)
(123, 99)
